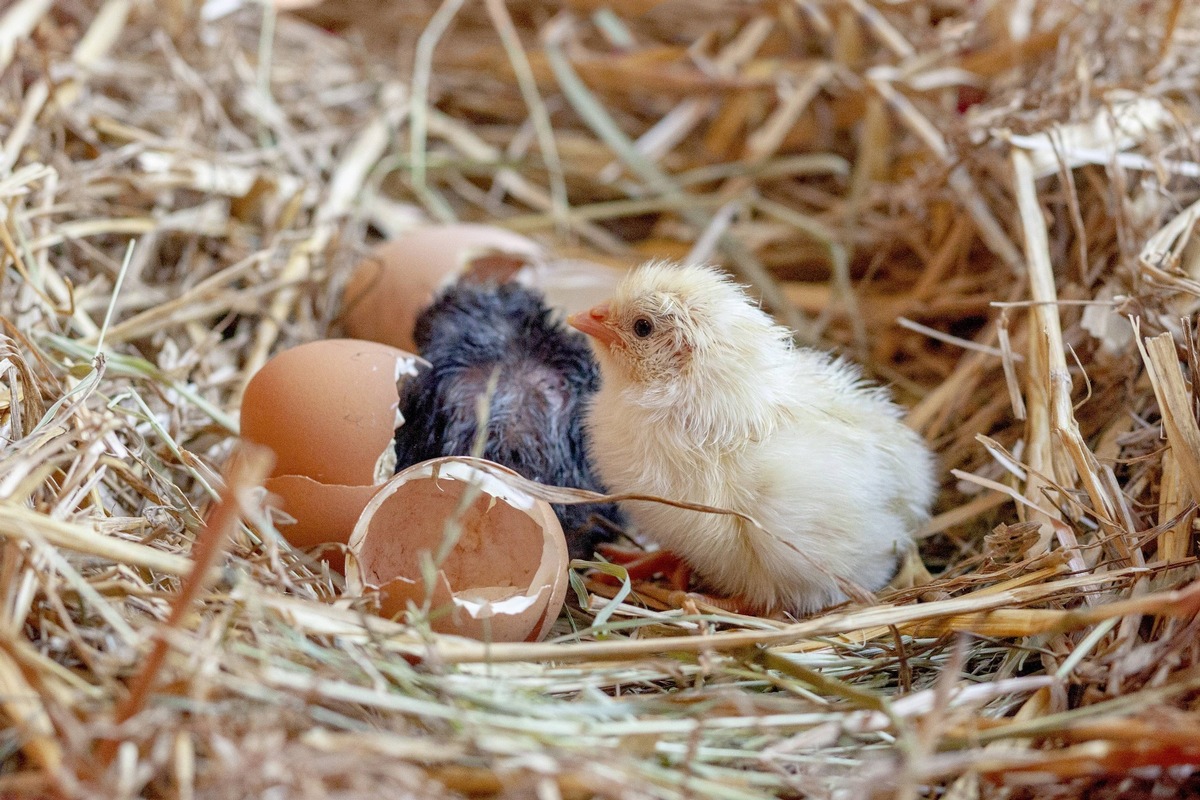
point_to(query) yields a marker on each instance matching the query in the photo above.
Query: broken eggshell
(504, 580)
(323, 514)
(328, 410)
(398, 280)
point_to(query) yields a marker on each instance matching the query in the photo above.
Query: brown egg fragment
(329, 411)
(324, 514)
(504, 580)
(395, 283)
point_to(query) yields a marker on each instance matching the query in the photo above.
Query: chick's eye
(643, 327)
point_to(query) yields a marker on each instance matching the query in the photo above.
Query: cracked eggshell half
(505, 578)
(398, 280)
(328, 410)
(322, 514)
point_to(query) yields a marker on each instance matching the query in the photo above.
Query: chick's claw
(696, 603)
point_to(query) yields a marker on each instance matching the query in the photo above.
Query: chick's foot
(642, 565)
(697, 603)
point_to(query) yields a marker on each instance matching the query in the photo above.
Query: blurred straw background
(991, 204)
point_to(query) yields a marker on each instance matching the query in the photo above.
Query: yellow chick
(704, 399)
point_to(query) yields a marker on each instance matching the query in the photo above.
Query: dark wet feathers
(546, 373)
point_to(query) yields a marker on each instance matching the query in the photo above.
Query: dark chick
(546, 373)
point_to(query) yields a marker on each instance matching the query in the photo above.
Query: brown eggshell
(392, 286)
(329, 410)
(324, 514)
(505, 579)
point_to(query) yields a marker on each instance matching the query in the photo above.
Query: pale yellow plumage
(705, 399)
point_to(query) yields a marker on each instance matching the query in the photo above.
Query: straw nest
(990, 204)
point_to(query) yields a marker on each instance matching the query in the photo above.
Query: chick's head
(674, 323)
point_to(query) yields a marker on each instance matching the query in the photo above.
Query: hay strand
(991, 205)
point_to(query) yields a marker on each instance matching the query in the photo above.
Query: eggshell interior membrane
(398, 280)
(571, 285)
(329, 410)
(505, 579)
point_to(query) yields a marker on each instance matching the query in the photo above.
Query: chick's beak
(595, 323)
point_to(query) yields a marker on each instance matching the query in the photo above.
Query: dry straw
(993, 205)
